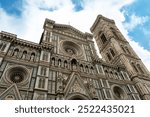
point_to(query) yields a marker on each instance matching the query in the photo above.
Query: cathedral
(65, 65)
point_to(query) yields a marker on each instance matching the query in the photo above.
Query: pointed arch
(16, 51)
(24, 54)
(103, 38)
(74, 63)
(108, 56)
(59, 62)
(81, 68)
(53, 61)
(32, 57)
(86, 68)
(65, 64)
(112, 52)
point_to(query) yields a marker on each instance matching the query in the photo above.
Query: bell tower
(115, 49)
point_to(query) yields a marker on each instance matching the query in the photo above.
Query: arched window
(81, 67)
(32, 56)
(59, 62)
(112, 52)
(24, 54)
(108, 56)
(103, 38)
(65, 64)
(15, 53)
(53, 61)
(140, 69)
(74, 63)
(92, 70)
(111, 74)
(106, 72)
(86, 68)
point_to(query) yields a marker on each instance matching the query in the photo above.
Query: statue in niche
(53, 61)
(16, 51)
(32, 57)
(24, 55)
(74, 64)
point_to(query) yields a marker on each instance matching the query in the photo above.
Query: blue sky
(140, 33)
(26, 17)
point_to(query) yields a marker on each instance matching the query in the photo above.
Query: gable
(69, 30)
(75, 85)
(11, 91)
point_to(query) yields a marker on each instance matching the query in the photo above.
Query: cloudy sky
(26, 17)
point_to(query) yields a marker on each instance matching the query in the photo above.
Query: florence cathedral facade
(65, 65)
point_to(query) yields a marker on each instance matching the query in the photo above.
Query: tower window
(112, 52)
(108, 56)
(103, 38)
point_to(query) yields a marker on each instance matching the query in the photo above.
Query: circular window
(16, 77)
(17, 74)
(70, 51)
(118, 92)
(70, 48)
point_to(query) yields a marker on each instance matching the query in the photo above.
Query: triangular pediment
(69, 30)
(76, 85)
(11, 91)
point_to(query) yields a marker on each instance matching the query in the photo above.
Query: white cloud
(135, 21)
(29, 25)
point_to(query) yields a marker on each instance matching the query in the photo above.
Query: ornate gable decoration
(69, 30)
(11, 93)
(75, 85)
